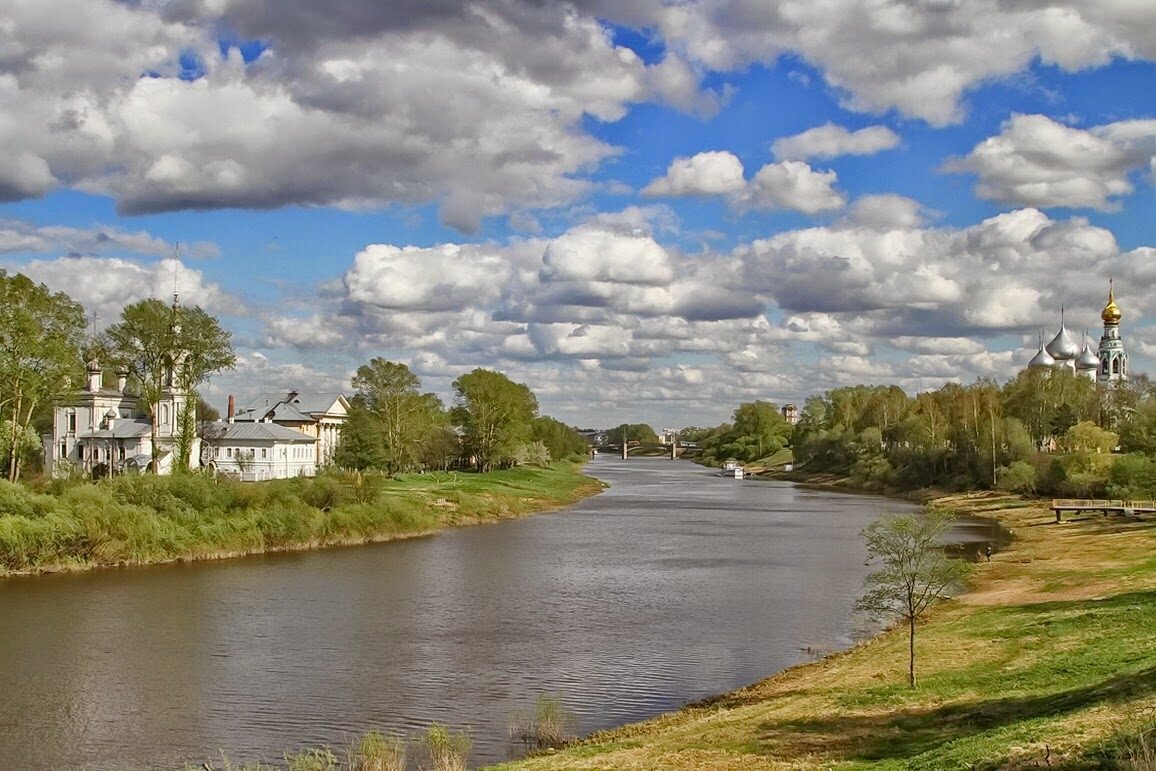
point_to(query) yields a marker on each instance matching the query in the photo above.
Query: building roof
(291, 406)
(123, 428)
(254, 432)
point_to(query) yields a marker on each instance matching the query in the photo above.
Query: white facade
(319, 415)
(107, 430)
(254, 452)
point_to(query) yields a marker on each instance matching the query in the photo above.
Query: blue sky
(646, 214)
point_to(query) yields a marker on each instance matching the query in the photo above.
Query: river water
(673, 585)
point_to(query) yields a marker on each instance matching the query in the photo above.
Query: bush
(1018, 477)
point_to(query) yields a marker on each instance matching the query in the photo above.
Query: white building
(320, 415)
(107, 430)
(254, 452)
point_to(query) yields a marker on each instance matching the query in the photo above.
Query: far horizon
(649, 213)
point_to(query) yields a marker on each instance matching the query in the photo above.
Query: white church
(105, 431)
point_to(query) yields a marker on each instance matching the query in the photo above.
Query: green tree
(165, 347)
(391, 395)
(40, 336)
(913, 570)
(559, 439)
(360, 446)
(495, 415)
(634, 432)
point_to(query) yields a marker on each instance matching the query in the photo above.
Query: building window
(229, 452)
(263, 453)
(72, 422)
(63, 449)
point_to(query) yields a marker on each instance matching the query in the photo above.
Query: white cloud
(831, 141)
(710, 173)
(105, 285)
(794, 185)
(784, 185)
(918, 58)
(1036, 161)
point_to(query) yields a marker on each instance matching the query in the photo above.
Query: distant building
(254, 452)
(1108, 364)
(320, 415)
(791, 413)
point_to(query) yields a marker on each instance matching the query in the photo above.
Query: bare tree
(914, 569)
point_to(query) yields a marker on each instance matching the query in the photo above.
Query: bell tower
(1113, 357)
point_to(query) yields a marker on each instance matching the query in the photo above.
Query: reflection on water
(673, 585)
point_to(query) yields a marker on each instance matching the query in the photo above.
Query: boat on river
(732, 470)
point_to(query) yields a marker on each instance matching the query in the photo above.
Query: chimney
(232, 409)
(121, 379)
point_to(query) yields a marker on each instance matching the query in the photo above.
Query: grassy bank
(1049, 661)
(136, 520)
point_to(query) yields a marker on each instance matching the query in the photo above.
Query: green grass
(1046, 663)
(147, 519)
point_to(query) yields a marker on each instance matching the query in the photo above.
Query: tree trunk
(13, 464)
(911, 651)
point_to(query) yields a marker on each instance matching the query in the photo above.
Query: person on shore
(987, 552)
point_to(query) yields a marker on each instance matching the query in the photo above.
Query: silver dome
(1042, 359)
(1063, 347)
(1088, 359)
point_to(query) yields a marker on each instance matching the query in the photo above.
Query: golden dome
(1111, 313)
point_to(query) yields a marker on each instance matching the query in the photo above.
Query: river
(673, 585)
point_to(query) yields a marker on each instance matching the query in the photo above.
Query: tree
(914, 570)
(165, 347)
(40, 336)
(558, 438)
(634, 432)
(406, 418)
(495, 415)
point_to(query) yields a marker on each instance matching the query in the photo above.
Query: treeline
(1047, 432)
(493, 423)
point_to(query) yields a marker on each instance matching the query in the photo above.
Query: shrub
(1018, 477)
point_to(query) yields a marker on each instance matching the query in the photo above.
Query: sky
(647, 211)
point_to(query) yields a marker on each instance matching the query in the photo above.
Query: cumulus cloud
(476, 106)
(1036, 161)
(785, 185)
(710, 173)
(105, 285)
(831, 141)
(917, 58)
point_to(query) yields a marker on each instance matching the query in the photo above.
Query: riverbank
(1047, 661)
(142, 520)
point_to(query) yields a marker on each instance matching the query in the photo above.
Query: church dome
(1063, 347)
(1088, 359)
(1111, 313)
(1042, 359)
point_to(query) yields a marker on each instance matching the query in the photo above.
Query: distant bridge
(674, 450)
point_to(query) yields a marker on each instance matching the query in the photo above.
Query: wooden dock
(1104, 506)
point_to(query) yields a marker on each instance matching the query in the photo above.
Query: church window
(1115, 366)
